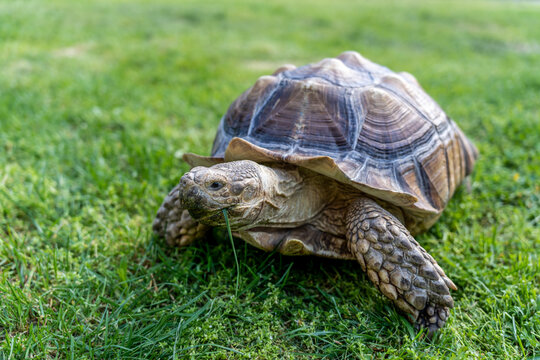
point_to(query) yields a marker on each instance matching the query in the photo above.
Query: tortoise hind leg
(175, 224)
(400, 268)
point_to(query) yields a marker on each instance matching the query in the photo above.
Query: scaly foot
(400, 268)
(175, 224)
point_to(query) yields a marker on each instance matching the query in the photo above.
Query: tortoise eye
(216, 185)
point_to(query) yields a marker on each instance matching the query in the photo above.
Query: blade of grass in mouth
(234, 249)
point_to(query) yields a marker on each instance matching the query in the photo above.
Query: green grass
(98, 100)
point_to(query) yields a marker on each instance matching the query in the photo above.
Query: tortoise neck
(292, 196)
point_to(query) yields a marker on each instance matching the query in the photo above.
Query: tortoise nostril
(186, 180)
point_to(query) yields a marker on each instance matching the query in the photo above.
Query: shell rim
(241, 149)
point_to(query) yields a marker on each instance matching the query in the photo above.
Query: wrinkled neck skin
(291, 196)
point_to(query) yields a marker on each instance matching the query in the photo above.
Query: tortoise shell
(356, 122)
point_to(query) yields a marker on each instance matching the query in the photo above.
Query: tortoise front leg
(400, 268)
(175, 224)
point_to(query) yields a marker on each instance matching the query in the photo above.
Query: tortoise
(343, 159)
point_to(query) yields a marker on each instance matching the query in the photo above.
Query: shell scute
(412, 94)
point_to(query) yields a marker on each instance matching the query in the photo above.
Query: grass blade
(234, 250)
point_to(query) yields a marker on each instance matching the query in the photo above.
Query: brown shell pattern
(357, 122)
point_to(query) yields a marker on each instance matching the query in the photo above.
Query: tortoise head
(236, 186)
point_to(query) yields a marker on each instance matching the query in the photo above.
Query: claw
(432, 319)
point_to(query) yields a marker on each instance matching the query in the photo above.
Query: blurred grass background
(99, 99)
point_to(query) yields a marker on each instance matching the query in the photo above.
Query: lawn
(99, 100)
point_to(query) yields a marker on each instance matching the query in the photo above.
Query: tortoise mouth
(198, 203)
